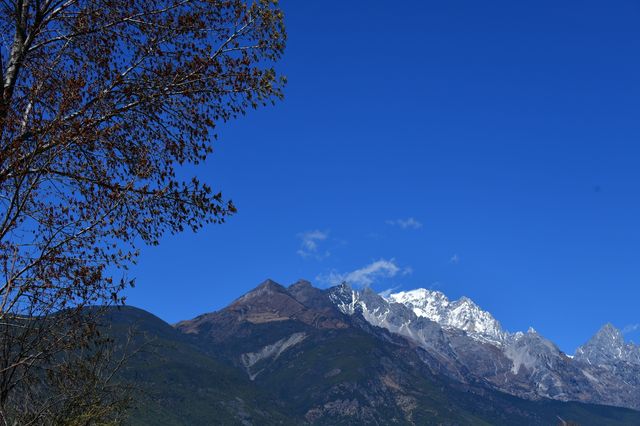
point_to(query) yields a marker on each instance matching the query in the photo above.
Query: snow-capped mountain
(461, 340)
(456, 339)
(462, 314)
(355, 357)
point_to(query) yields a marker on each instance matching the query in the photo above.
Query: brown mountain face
(267, 303)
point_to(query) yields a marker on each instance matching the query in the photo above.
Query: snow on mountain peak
(608, 346)
(424, 303)
(462, 314)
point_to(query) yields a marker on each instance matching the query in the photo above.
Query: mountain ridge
(305, 355)
(523, 364)
(463, 314)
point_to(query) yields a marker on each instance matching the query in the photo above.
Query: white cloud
(455, 259)
(387, 292)
(366, 275)
(309, 242)
(630, 328)
(408, 223)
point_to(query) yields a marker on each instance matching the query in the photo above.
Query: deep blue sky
(509, 130)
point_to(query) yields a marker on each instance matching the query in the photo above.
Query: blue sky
(486, 149)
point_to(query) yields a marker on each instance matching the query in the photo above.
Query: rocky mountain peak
(267, 287)
(461, 314)
(311, 297)
(269, 302)
(610, 333)
(270, 285)
(343, 297)
(301, 284)
(608, 347)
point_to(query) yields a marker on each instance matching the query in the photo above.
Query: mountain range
(472, 345)
(304, 355)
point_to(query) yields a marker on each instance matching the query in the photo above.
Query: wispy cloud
(309, 244)
(387, 292)
(631, 328)
(408, 223)
(367, 275)
(455, 259)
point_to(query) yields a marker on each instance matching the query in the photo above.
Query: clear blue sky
(509, 130)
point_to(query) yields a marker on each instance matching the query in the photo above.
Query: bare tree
(82, 386)
(102, 102)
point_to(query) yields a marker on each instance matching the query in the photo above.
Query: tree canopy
(102, 102)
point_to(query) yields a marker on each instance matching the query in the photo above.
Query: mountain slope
(176, 383)
(321, 354)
